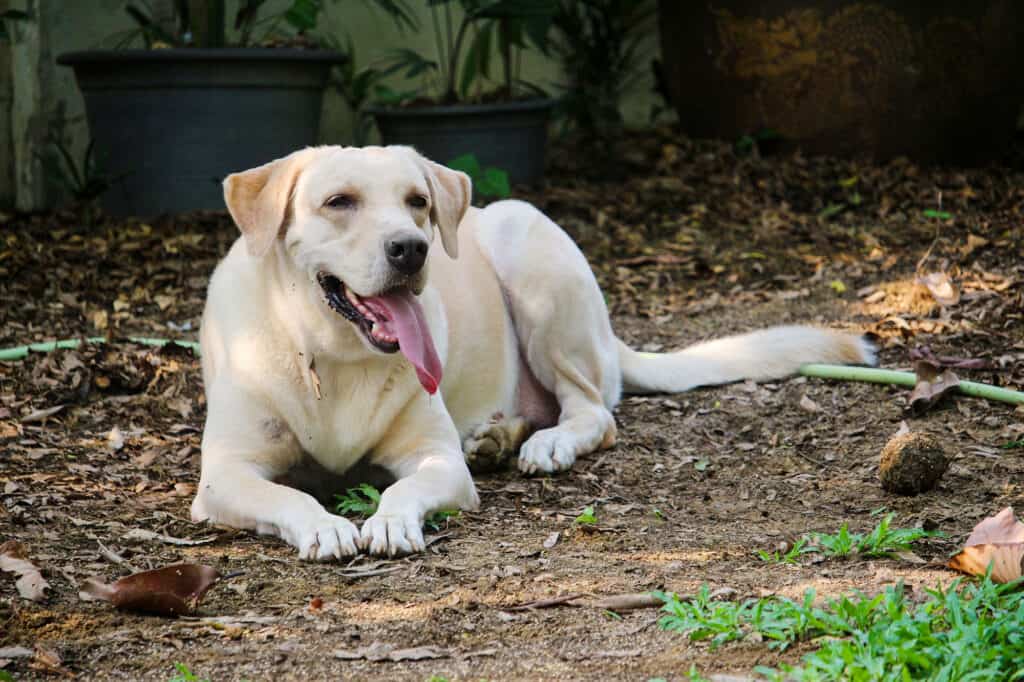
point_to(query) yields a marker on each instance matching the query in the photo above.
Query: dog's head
(358, 223)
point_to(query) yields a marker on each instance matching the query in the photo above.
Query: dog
(337, 330)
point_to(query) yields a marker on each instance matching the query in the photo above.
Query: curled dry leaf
(14, 559)
(170, 591)
(940, 286)
(628, 602)
(1003, 527)
(809, 405)
(925, 353)
(931, 385)
(143, 535)
(998, 541)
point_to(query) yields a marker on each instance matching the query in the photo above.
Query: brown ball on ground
(912, 463)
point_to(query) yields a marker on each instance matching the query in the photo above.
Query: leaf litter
(695, 200)
(30, 583)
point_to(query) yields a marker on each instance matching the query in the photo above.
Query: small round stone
(912, 463)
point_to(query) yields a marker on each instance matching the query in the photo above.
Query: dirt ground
(690, 240)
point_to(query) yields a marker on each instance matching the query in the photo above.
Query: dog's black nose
(407, 255)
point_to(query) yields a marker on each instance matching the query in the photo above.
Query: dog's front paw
(392, 534)
(326, 537)
(547, 451)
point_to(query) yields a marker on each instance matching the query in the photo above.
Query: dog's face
(358, 223)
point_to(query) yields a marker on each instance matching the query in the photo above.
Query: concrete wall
(33, 88)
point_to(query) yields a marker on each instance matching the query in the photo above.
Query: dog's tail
(771, 353)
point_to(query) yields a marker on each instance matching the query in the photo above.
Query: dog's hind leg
(563, 329)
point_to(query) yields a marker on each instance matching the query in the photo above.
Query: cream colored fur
(287, 377)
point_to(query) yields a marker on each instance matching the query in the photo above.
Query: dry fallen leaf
(551, 540)
(143, 535)
(1003, 527)
(998, 541)
(41, 415)
(931, 385)
(628, 602)
(14, 559)
(809, 405)
(170, 591)
(940, 286)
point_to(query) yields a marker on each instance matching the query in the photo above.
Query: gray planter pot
(510, 136)
(168, 125)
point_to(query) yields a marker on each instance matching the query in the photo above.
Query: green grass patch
(972, 631)
(883, 541)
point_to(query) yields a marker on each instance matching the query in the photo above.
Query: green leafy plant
(601, 46)
(204, 23)
(439, 519)
(784, 557)
(937, 215)
(757, 141)
(79, 176)
(882, 541)
(587, 518)
(362, 500)
(465, 46)
(185, 675)
(487, 182)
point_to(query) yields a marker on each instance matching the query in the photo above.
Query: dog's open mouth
(391, 322)
(371, 318)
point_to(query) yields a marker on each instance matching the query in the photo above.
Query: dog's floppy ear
(260, 200)
(450, 193)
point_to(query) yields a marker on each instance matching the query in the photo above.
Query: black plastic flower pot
(511, 136)
(169, 125)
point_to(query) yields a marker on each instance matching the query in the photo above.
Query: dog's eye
(417, 201)
(341, 201)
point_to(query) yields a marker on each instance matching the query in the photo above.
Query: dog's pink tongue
(414, 340)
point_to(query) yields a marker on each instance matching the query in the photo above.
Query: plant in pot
(459, 113)
(170, 121)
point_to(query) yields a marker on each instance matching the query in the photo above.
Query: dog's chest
(354, 410)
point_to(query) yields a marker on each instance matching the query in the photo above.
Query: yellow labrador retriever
(324, 337)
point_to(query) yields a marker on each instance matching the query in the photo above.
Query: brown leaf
(997, 541)
(628, 602)
(809, 405)
(941, 288)
(1005, 558)
(931, 385)
(925, 353)
(14, 559)
(1001, 528)
(170, 591)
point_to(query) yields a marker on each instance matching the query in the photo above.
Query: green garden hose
(19, 352)
(888, 376)
(838, 372)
